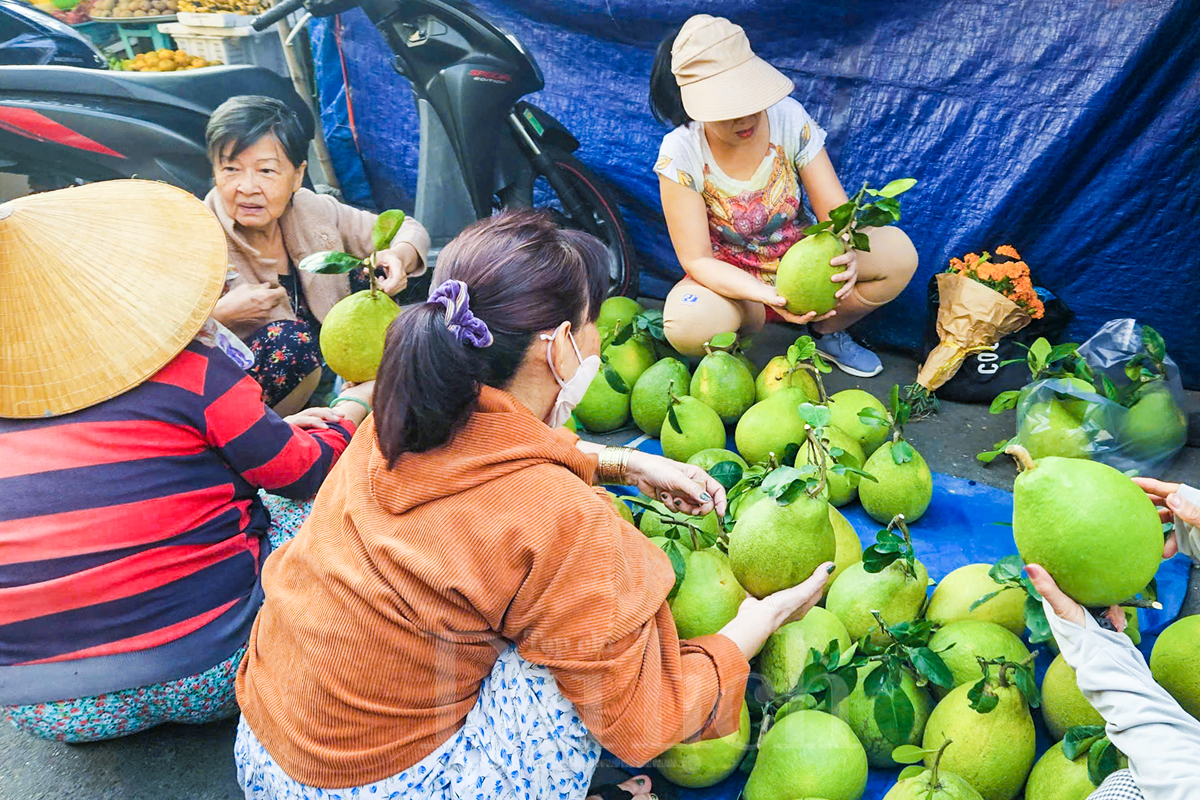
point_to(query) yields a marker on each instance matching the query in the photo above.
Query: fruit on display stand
(774, 547)
(779, 373)
(844, 408)
(602, 408)
(709, 595)
(893, 592)
(945, 786)
(1056, 777)
(957, 592)
(1063, 507)
(253, 7)
(699, 428)
(1063, 705)
(962, 643)
(842, 488)
(804, 274)
(786, 653)
(706, 763)
(769, 426)
(707, 459)
(117, 9)
(1173, 663)
(652, 393)
(860, 714)
(166, 61)
(631, 358)
(615, 313)
(899, 488)
(723, 383)
(848, 547)
(808, 754)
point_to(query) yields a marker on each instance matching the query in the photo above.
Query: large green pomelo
(842, 488)
(709, 596)
(770, 426)
(1056, 777)
(898, 488)
(1173, 662)
(860, 711)
(994, 751)
(804, 274)
(774, 547)
(949, 787)
(1155, 427)
(808, 753)
(891, 592)
(630, 359)
(723, 383)
(653, 524)
(786, 653)
(617, 312)
(353, 334)
(706, 763)
(774, 376)
(848, 547)
(955, 593)
(844, 407)
(1065, 508)
(961, 643)
(652, 393)
(707, 459)
(1048, 429)
(1063, 705)
(699, 429)
(602, 408)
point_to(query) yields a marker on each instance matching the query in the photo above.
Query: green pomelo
(896, 596)
(617, 312)
(1155, 427)
(1078, 407)
(994, 751)
(1173, 662)
(653, 523)
(1056, 777)
(786, 653)
(774, 547)
(707, 459)
(949, 787)
(842, 488)
(1048, 429)
(631, 359)
(699, 429)
(774, 376)
(1064, 508)
(746, 501)
(808, 753)
(709, 596)
(961, 643)
(847, 546)
(602, 408)
(706, 763)
(860, 711)
(661, 543)
(353, 333)
(898, 488)
(652, 394)
(723, 383)
(622, 508)
(770, 426)
(1063, 705)
(844, 407)
(572, 423)
(954, 595)
(804, 274)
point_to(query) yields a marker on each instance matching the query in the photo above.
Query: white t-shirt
(752, 223)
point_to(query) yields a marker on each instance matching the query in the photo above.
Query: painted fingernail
(705, 496)
(831, 568)
(678, 502)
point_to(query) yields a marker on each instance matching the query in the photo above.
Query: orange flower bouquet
(981, 299)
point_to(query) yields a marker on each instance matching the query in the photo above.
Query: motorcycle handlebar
(275, 13)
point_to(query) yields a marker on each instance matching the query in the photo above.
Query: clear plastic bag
(1071, 418)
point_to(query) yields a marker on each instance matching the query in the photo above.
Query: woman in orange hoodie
(463, 615)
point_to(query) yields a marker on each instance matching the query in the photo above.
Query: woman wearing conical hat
(132, 451)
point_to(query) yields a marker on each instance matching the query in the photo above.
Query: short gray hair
(241, 121)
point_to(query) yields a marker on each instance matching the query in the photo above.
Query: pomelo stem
(937, 760)
(1021, 456)
(822, 395)
(819, 454)
(695, 538)
(371, 274)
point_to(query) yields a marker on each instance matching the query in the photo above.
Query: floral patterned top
(751, 223)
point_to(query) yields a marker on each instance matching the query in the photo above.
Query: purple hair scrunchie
(466, 327)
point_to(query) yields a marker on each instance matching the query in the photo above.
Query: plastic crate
(207, 19)
(230, 46)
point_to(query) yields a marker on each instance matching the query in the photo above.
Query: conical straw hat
(100, 287)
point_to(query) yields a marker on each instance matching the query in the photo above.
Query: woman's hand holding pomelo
(757, 619)
(849, 277)
(1171, 507)
(681, 487)
(396, 269)
(779, 303)
(1064, 606)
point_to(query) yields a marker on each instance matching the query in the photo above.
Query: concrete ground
(196, 763)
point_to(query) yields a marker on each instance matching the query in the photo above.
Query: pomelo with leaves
(722, 382)
(903, 484)
(707, 459)
(1063, 705)
(605, 405)
(652, 393)
(919, 783)
(970, 592)
(962, 643)
(808, 753)
(778, 374)
(861, 415)
(790, 648)
(706, 763)
(690, 426)
(616, 312)
(1075, 767)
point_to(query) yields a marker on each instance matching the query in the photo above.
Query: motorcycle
(482, 147)
(30, 36)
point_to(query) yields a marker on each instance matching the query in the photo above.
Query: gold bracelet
(613, 465)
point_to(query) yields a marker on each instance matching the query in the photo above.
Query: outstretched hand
(758, 619)
(680, 487)
(779, 304)
(1171, 507)
(1064, 607)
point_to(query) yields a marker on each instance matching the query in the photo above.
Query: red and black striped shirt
(131, 532)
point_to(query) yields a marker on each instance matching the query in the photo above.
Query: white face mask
(570, 391)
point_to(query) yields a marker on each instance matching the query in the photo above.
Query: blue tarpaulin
(1067, 128)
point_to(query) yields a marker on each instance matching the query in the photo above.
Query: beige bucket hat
(100, 287)
(718, 74)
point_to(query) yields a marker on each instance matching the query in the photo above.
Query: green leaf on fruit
(651, 321)
(1027, 683)
(812, 230)
(816, 416)
(842, 216)
(1080, 738)
(897, 187)
(1110, 389)
(875, 682)
(875, 216)
(386, 226)
(908, 754)
(1155, 346)
(931, 666)
(1103, 760)
(790, 452)
(617, 383)
(894, 714)
(726, 473)
(1035, 620)
(984, 599)
(911, 771)
(678, 564)
(982, 698)
(988, 456)
(1004, 401)
(1039, 355)
(860, 241)
(329, 262)
(1009, 568)
(872, 417)
(902, 452)
(821, 365)
(723, 340)
(673, 420)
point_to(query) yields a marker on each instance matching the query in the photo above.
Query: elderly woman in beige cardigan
(257, 147)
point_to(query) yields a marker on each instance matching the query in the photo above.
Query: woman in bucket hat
(132, 451)
(731, 175)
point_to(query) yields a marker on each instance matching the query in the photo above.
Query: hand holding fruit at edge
(1172, 507)
(757, 619)
(779, 304)
(1064, 606)
(681, 487)
(849, 276)
(396, 269)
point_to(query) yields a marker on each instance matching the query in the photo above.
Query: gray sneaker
(850, 356)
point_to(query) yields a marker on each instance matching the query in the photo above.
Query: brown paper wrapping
(971, 317)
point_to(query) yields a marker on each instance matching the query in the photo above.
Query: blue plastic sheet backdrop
(1065, 127)
(967, 523)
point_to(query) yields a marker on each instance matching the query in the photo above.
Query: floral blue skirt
(523, 740)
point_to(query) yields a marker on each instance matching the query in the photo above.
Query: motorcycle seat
(200, 90)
